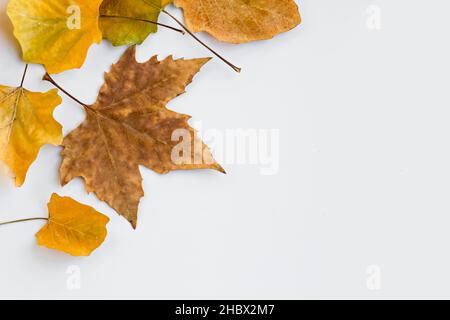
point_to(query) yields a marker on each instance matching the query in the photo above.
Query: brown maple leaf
(128, 126)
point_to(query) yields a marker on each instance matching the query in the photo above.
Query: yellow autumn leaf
(55, 33)
(26, 123)
(72, 227)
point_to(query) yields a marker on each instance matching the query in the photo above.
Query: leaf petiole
(22, 220)
(144, 20)
(48, 78)
(24, 75)
(237, 69)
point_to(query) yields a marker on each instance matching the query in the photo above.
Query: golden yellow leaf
(26, 123)
(128, 126)
(55, 33)
(239, 21)
(122, 21)
(72, 227)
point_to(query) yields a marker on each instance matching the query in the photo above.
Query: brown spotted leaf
(128, 126)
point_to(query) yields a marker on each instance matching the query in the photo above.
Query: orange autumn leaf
(72, 227)
(238, 21)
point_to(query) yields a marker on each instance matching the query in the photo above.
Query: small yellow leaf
(55, 33)
(26, 123)
(72, 227)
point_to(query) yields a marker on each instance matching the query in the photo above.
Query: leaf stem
(48, 78)
(22, 220)
(237, 69)
(23, 77)
(145, 20)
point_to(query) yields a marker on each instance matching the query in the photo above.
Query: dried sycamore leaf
(72, 227)
(26, 123)
(55, 33)
(125, 22)
(128, 126)
(239, 21)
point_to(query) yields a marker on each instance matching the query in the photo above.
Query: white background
(364, 179)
